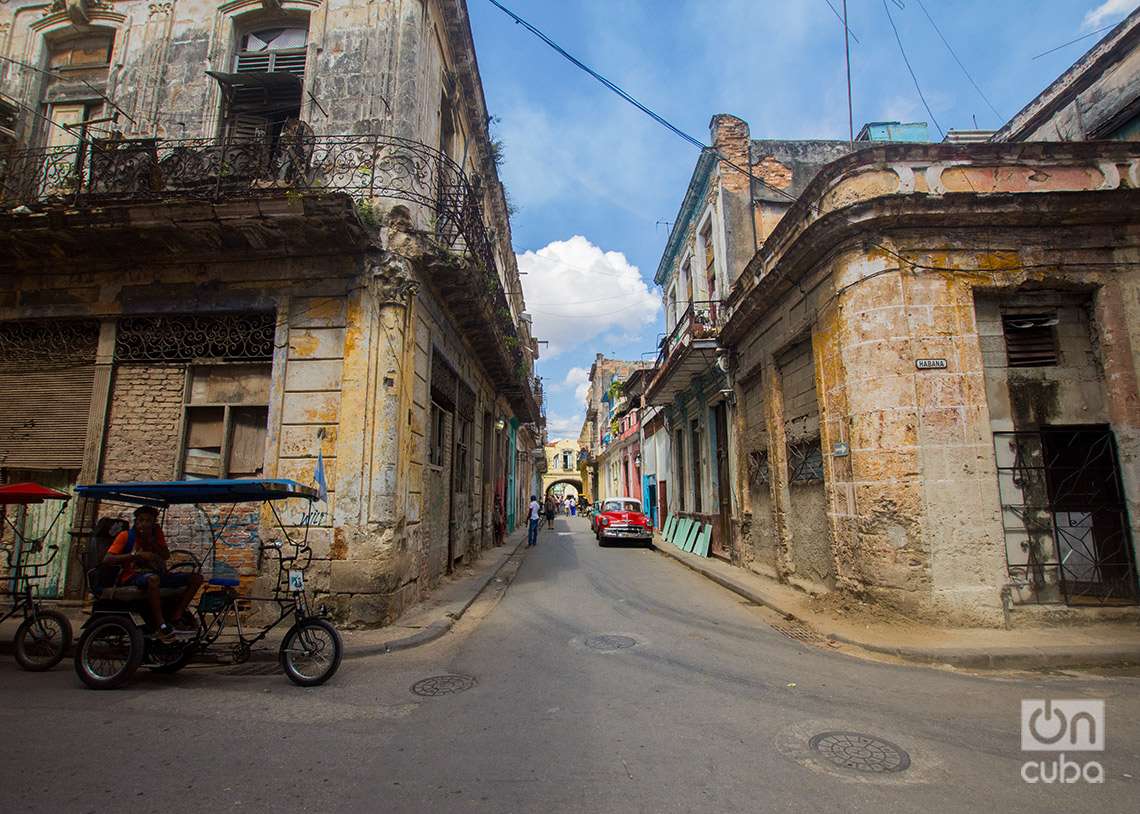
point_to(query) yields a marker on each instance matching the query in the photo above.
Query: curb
(977, 658)
(436, 629)
(427, 634)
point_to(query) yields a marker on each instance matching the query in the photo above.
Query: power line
(910, 70)
(776, 190)
(950, 48)
(839, 17)
(1078, 39)
(578, 63)
(55, 75)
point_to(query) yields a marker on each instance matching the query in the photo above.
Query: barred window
(805, 461)
(758, 470)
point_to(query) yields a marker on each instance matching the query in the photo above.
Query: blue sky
(591, 176)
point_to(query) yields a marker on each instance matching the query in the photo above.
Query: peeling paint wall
(913, 514)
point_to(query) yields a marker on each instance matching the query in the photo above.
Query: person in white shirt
(532, 530)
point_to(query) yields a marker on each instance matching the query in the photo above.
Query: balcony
(689, 350)
(106, 172)
(200, 199)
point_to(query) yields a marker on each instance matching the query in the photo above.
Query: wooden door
(722, 543)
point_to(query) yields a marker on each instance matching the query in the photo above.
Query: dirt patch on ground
(852, 610)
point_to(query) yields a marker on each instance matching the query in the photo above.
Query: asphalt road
(710, 710)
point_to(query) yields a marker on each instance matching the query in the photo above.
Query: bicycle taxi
(119, 637)
(43, 637)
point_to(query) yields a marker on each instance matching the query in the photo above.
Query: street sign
(930, 364)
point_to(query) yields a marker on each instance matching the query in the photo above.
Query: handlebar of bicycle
(301, 548)
(31, 566)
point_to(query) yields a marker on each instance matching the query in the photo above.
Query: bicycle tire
(59, 645)
(294, 644)
(135, 647)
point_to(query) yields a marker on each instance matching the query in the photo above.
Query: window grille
(184, 337)
(805, 462)
(758, 470)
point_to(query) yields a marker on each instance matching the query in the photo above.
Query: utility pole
(847, 54)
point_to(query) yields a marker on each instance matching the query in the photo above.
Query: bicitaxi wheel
(109, 652)
(311, 652)
(42, 640)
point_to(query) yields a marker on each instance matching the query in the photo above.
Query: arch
(575, 482)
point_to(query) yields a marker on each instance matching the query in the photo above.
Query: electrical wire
(726, 161)
(613, 87)
(839, 17)
(910, 70)
(1078, 39)
(950, 48)
(55, 75)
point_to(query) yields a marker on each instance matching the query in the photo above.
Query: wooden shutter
(1030, 339)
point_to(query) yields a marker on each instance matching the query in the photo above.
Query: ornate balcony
(107, 172)
(198, 198)
(689, 350)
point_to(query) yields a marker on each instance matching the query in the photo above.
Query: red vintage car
(621, 518)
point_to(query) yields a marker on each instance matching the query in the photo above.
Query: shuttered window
(47, 375)
(1030, 339)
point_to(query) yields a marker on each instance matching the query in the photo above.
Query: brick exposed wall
(142, 431)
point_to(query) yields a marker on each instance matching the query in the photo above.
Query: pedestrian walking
(573, 504)
(532, 528)
(500, 523)
(550, 509)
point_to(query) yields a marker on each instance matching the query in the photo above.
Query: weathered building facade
(933, 358)
(938, 342)
(238, 239)
(562, 468)
(724, 217)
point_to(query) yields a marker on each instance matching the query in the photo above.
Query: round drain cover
(859, 752)
(610, 642)
(443, 685)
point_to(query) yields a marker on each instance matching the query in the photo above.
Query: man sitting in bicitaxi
(142, 553)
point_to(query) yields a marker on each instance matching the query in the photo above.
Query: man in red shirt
(142, 553)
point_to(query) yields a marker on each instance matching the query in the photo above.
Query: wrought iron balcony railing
(368, 167)
(703, 319)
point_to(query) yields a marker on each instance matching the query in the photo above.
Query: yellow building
(562, 466)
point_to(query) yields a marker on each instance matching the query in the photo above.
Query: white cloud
(1103, 13)
(578, 379)
(576, 291)
(560, 427)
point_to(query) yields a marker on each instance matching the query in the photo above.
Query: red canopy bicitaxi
(23, 493)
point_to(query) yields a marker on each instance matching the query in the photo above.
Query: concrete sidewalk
(1107, 644)
(423, 623)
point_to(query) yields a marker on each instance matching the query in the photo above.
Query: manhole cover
(443, 685)
(255, 668)
(861, 753)
(610, 642)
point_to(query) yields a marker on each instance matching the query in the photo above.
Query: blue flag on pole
(319, 477)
